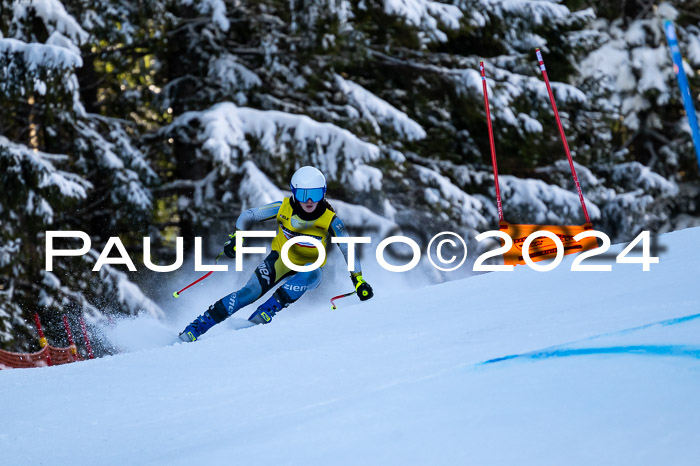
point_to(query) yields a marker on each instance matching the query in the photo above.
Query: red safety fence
(48, 355)
(39, 359)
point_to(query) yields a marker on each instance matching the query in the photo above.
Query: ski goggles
(311, 194)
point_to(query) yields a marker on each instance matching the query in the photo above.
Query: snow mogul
(305, 213)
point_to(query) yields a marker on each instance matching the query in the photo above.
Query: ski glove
(230, 246)
(364, 291)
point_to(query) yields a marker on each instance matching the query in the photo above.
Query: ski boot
(198, 326)
(267, 310)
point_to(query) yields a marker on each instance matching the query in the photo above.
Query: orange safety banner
(543, 248)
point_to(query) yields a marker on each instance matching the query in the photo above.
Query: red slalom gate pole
(42, 339)
(86, 338)
(561, 133)
(71, 343)
(493, 147)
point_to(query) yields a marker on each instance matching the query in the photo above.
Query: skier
(305, 213)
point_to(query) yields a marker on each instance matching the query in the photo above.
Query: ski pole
(333, 299)
(176, 294)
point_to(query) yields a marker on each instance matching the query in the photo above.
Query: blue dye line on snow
(648, 350)
(559, 351)
(674, 321)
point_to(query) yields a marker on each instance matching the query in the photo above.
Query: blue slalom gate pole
(683, 84)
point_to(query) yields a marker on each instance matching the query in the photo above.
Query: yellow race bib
(291, 226)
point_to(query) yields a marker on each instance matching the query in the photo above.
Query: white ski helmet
(308, 183)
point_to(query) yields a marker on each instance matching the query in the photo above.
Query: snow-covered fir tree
(649, 161)
(385, 97)
(62, 168)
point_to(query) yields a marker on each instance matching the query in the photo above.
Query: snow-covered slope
(502, 368)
